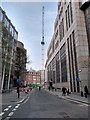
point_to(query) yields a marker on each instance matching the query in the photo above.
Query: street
(42, 104)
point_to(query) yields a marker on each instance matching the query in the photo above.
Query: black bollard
(81, 93)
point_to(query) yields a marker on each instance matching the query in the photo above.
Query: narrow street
(42, 104)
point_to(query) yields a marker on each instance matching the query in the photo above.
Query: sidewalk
(72, 96)
(11, 97)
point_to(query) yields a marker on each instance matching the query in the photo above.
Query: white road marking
(9, 106)
(22, 100)
(10, 114)
(26, 100)
(13, 109)
(1, 113)
(16, 106)
(6, 109)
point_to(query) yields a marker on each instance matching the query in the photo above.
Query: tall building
(68, 55)
(20, 63)
(8, 42)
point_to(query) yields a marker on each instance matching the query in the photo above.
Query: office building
(8, 42)
(69, 50)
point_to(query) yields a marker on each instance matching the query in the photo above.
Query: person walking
(50, 84)
(68, 92)
(64, 91)
(18, 91)
(39, 88)
(86, 92)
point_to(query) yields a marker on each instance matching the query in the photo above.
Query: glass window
(71, 15)
(1, 15)
(68, 15)
(63, 64)
(66, 20)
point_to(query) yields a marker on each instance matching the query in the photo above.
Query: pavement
(11, 97)
(73, 96)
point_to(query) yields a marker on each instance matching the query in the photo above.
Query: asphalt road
(42, 104)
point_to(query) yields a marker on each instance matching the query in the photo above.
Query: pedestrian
(68, 92)
(49, 88)
(18, 91)
(51, 84)
(86, 92)
(39, 88)
(64, 91)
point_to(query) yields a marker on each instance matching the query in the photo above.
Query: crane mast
(42, 42)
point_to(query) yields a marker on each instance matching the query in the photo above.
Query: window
(68, 15)
(1, 15)
(71, 15)
(57, 68)
(63, 27)
(66, 21)
(63, 64)
(75, 59)
(69, 60)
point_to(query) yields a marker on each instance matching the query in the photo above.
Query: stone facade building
(69, 50)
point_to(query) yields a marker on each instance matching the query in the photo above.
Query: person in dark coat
(68, 92)
(50, 84)
(18, 91)
(86, 92)
(64, 91)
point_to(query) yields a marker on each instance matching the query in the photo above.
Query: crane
(42, 44)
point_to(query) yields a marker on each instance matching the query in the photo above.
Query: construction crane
(42, 43)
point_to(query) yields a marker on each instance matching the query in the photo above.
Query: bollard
(81, 93)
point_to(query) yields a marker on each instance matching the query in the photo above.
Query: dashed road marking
(9, 106)
(16, 106)
(26, 100)
(14, 109)
(6, 109)
(10, 114)
(1, 113)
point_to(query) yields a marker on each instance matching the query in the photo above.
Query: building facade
(33, 77)
(20, 63)
(8, 42)
(68, 54)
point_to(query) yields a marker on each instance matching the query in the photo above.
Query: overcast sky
(27, 19)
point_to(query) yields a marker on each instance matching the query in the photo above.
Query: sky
(27, 19)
